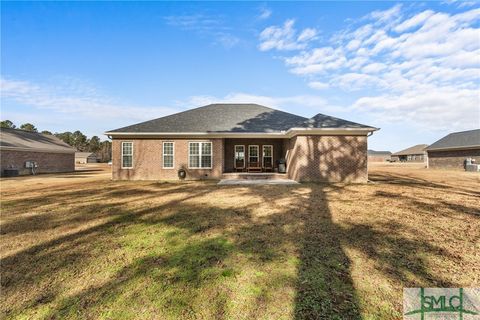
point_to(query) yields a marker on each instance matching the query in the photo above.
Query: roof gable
(466, 139)
(417, 149)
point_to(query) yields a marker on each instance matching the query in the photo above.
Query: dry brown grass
(82, 246)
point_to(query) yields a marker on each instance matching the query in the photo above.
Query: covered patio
(256, 155)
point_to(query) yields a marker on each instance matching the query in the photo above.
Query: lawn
(82, 246)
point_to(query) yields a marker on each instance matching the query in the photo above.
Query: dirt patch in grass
(88, 247)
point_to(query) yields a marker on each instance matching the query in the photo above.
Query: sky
(409, 68)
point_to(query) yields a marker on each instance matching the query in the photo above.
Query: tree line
(78, 140)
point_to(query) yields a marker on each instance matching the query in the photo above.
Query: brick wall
(278, 150)
(147, 160)
(327, 158)
(378, 158)
(451, 159)
(48, 162)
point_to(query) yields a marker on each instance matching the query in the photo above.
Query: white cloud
(424, 64)
(310, 101)
(307, 35)
(77, 99)
(318, 85)
(285, 37)
(265, 13)
(213, 28)
(437, 109)
(414, 21)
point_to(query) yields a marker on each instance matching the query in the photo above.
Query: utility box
(31, 164)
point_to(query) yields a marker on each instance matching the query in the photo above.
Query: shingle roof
(235, 118)
(21, 139)
(84, 154)
(463, 139)
(417, 149)
(374, 152)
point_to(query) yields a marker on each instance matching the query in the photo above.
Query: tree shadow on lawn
(188, 277)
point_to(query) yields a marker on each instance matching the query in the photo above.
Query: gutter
(282, 134)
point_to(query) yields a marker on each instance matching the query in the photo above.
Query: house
(85, 157)
(452, 150)
(379, 156)
(24, 152)
(209, 141)
(413, 154)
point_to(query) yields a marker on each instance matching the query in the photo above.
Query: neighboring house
(32, 152)
(413, 154)
(215, 139)
(452, 150)
(85, 157)
(379, 156)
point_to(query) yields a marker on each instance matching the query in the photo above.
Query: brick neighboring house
(85, 157)
(379, 156)
(218, 139)
(452, 150)
(19, 148)
(416, 153)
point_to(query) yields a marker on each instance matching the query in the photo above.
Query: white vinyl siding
(127, 155)
(168, 155)
(200, 155)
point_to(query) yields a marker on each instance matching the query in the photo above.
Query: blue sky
(410, 68)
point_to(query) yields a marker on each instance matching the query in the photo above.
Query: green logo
(438, 303)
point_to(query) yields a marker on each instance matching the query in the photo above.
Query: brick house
(452, 150)
(379, 156)
(85, 157)
(30, 152)
(416, 153)
(217, 139)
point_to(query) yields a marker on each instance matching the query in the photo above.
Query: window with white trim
(252, 154)
(127, 155)
(168, 153)
(239, 156)
(200, 155)
(268, 156)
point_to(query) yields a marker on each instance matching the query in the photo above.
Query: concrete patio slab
(225, 182)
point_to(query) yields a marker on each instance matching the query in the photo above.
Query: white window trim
(258, 152)
(121, 160)
(235, 156)
(173, 155)
(263, 154)
(200, 155)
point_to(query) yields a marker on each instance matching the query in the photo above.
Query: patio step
(255, 176)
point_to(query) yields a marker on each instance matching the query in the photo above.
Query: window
(127, 155)
(253, 154)
(268, 156)
(168, 155)
(239, 157)
(409, 158)
(200, 155)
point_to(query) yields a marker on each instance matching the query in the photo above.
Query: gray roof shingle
(417, 149)
(467, 139)
(21, 139)
(235, 118)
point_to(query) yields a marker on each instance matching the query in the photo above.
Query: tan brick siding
(147, 160)
(278, 150)
(451, 159)
(328, 158)
(376, 158)
(48, 162)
